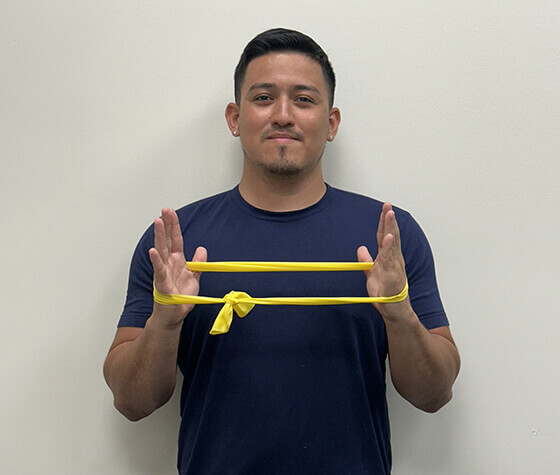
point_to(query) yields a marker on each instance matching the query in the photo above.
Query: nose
(283, 113)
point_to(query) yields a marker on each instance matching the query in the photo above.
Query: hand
(171, 274)
(388, 275)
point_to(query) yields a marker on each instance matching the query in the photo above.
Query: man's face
(283, 117)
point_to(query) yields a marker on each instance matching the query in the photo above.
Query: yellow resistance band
(247, 266)
(243, 303)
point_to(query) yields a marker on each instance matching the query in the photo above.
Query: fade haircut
(281, 39)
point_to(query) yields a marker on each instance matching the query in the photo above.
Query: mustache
(281, 130)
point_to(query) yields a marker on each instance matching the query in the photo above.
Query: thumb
(200, 255)
(364, 256)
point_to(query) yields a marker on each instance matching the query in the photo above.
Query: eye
(304, 99)
(262, 98)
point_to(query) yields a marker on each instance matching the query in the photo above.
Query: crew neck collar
(281, 215)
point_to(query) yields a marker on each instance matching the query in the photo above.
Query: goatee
(283, 167)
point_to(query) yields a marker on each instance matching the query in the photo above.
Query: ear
(232, 118)
(334, 122)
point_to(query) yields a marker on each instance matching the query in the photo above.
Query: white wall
(110, 110)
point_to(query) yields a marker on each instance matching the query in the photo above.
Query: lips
(282, 137)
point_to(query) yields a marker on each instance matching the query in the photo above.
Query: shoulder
(366, 204)
(204, 205)
(355, 199)
(364, 212)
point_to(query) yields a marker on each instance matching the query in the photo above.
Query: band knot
(238, 301)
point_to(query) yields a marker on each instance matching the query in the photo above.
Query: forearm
(423, 365)
(142, 373)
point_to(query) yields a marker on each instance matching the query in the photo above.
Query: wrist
(167, 318)
(398, 313)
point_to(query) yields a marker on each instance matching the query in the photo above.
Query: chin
(282, 169)
(276, 163)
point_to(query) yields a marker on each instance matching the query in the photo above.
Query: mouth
(282, 137)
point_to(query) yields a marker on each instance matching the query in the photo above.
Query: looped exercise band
(247, 266)
(243, 303)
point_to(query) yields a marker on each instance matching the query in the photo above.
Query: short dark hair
(281, 39)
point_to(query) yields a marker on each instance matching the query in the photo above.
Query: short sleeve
(423, 290)
(139, 296)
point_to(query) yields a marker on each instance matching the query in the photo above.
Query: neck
(281, 193)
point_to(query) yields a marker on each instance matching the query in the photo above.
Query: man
(292, 389)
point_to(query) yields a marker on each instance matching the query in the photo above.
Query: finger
(200, 255)
(364, 256)
(159, 239)
(386, 251)
(381, 229)
(167, 220)
(392, 227)
(160, 271)
(175, 232)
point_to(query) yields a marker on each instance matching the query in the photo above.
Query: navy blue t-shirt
(290, 389)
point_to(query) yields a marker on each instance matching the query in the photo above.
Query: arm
(141, 366)
(424, 363)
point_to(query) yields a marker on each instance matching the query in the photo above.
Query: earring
(235, 133)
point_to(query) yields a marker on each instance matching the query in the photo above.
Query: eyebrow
(297, 87)
(305, 87)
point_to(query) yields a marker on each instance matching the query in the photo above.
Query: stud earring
(235, 133)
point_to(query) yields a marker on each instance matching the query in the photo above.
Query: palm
(388, 275)
(178, 279)
(171, 274)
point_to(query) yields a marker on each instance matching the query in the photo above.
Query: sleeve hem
(434, 321)
(138, 321)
